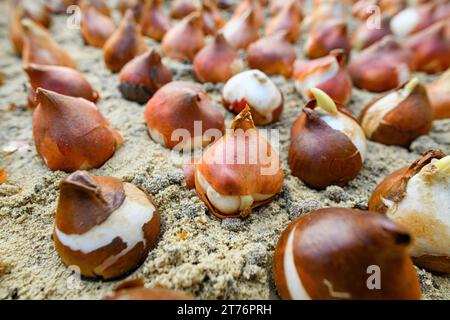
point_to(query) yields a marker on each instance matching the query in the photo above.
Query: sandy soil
(197, 253)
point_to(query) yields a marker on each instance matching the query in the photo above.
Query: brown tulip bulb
(366, 35)
(103, 226)
(182, 8)
(326, 36)
(154, 23)
(185, 38)
(254, 89)
(136, 6)
(288, 19)
(16, 33)
(135, 290)
(124, 44)
(328, 147)
(399, 117)
(383, 66)
(277, 6)
(63, 80)
(35, 11)
(71, 134)
(40, 48)
(327, 73)
(143, 76)
(60, 6)
(217, 61)
(189, 173)
(431, 48)
(239, 172)
(101, 6)
(339, 253)
(439, 95)
(417, 197)
(272, 54)
(255, 7)
(95, 27)
(328, 10)
(211, 17)
(364, 9)
(181, 116)
(242, 30)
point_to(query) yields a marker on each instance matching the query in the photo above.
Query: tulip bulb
(416, 197)
(254, 89)
(242, 30)
(185, 38)
(40, 48)
(238, 172)
(383, 66)
(330, 254)
(59, 79)
(16, 33)
(95, 27)
(288, 19)
(326, 36)
(364, 9)
(328, 147)
(143, 76)
(277, 6)
(211, 17)
(431, 48)
(135, 290)
(255, 7)
(60, 6)
(217, 61)
(136, 6)
(327, 73)
(124, 44)
(181, 116)
(35, 11)
(154, 23)
(328, 10)
(71, 134)
(399, 117)
(180, 9)
(103, 226)
(366, 35)
(439, 95)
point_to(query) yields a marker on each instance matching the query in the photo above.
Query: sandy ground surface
(197, 253)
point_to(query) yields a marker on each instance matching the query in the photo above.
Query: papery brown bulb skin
(135, 290)
(41, 48)
(326, 36)
(124, 44)
(103, 226)
(411, 118)
(239, 172)
(255, 7)
(272, 55)
(182, 8)
(431, 48)
(154, 23)
(383, 66)
(439, 95)
(178, 106)
(185, 38)
(95, 27)
(71, 134)
(241, 30)
(365, 36)
(217, 61)
(211, 17)
(330, 253)
(288, 19)
(63, 80)
(143, 76)
(136, 6)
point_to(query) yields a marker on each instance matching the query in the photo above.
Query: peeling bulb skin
(96, 28)
(328, 147)
(217, 61)
(288, 19)
(185, 38)
(416, 197)
(326, 36)
(180, 9)
(439, 95)
(143, 76)
(254, 89)
(399, 117)
(124, 44)
(241, 30)
(40, 48)
(57, 78)
(71, 133)
(365, 36)
(383, 66)
(314, 246)
(239, 172)
(104, 226)
(135, 290)
(431, 48)
(154, 23)
(327, 73)
(272, 55)
(172, 113)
